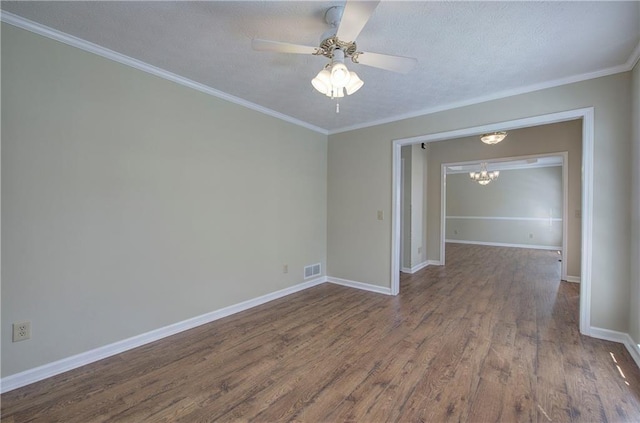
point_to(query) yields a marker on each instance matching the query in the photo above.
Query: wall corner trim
(415, 268)
(36, 374)
(619, 337)
(572, 279)
(360, 285)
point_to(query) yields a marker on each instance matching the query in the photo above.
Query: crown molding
(633, 59)
(90, 47)
(502, 94)
(71, 40)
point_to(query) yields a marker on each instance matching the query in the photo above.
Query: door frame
(587, 116)
(565, 199)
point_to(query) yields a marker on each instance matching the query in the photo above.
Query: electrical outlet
(285, 268)
(455, 232)
(419, 250)
(21, 331)
(530, 236)
(380, 215)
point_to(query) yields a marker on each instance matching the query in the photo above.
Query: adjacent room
(320, 211)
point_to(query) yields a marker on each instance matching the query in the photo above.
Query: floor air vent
(312, 270)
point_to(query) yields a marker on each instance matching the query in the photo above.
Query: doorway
(586, 116)
(528, 210)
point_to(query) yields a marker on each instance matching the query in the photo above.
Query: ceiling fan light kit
(335, 79)
(493, 137)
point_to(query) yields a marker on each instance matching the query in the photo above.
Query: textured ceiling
(466, 50)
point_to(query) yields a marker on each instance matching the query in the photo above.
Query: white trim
(27, 377)
(360, 285)
(504, 244)
(619, 337)
(572, 279)
(587, 116)
(565, 213)
(536, 219)
(90, 47)
(434, 263)
(512, 167)
(633, 348)
(587, 218)
(607, 334)
(443, 211)
(633, 59)
(415, 268)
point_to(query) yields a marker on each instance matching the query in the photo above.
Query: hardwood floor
(493, 336)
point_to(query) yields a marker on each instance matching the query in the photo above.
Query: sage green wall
(418, 205)
(634, 315)
(414, 230)
(130, 203)
(359, 183)
(406, 153)
(517, 193)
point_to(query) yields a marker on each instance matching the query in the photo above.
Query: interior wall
(634, 316)
(359, 247)
(418, 205)
(521, 207)
(130, 203)
(414, 209)
(406, 154)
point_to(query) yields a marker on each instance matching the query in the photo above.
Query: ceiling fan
(338, 44)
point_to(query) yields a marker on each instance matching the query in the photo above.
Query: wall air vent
(312, 270)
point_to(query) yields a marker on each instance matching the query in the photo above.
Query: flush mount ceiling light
(484, 177)
(493, 137)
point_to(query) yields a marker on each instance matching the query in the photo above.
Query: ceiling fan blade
(355, 16)
(398, 64)
(277, 46)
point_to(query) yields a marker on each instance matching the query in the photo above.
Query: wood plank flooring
(491, 337)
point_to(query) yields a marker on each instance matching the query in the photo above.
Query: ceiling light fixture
(335, 78)
(493, 137)
(484, 177)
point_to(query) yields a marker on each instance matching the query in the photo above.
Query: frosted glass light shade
(493, 138)
(340, 75)
(322, 82)
(355, 83)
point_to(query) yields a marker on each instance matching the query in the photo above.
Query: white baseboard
(503, 244)
(434, 262)
(620, 337)
(415, 268)
(360, 285)
(27, 377)
(607, 334)
(573, 279)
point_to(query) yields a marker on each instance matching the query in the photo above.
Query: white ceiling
(467, 51)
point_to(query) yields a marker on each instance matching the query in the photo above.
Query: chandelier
(335, 78)
(484, 177)
(493, 137)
